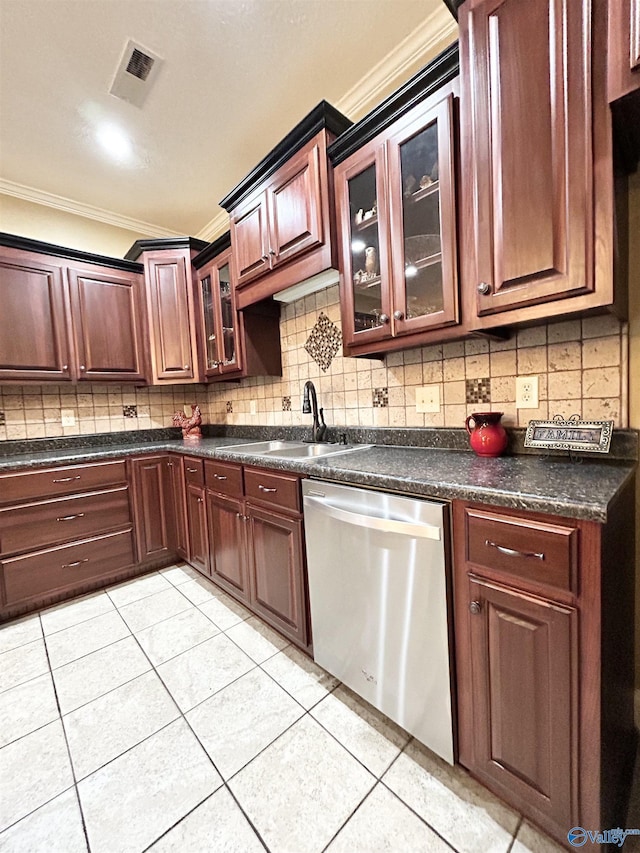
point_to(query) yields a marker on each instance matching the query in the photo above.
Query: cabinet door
(227, 544)
(295, 215)
(106, 306)
(524, 698)
(361, 200)
(250, 239)
(624, 48)
(277, 571)
(197, 528)
(171, 317)
(177, 507)
(526, 140)
(423, 221)
(219, 321)
(33, 334)
(151, 500)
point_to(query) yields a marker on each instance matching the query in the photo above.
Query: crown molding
(429, 38)
(68, 205)
(214, 227)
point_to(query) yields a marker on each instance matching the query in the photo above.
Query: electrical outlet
(428, 398)
(68, 417)
(253, 407)
(527, 392)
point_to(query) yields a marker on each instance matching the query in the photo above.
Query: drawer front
(194, 471)
(67, 566)
(37, 525)
(539, 552)
(27, 485)
(272, 488)
(224, 478)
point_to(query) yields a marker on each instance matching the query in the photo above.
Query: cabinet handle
(398, 315)
(192, 470)
(475, 607)
(272, 252)
(75, 564)
(484, 288)
(510, 552)
(70, 517)
(265, 489)
(265, 257)
(219, 477)
(169, 464)
(200, 500)
(67, 479)
(384, 318)
(239, 515)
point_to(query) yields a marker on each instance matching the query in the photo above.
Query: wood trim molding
(214, 227)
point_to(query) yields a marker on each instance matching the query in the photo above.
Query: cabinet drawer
(194, 471)
(224, 478)
(272, 488)
(36, 525)
(26, 485)
(67, 566)
(539, 552)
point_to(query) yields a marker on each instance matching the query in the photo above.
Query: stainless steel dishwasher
(378, 594)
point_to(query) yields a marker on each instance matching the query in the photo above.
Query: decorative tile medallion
(286, 404)
(229, 407)
(478, 390)
(380, 398)
(129, 411)
(324, 341)
(2, 419)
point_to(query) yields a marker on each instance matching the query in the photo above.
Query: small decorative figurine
(190, 426)
(425, 181)
(359, 216)
(370, 260)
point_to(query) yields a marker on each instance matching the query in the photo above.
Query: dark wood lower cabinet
(227, 544)
(276, 570)
(197, 528)
(177, 511)
(151, 498)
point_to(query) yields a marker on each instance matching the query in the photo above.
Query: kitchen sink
(309, 451)
(260, 447)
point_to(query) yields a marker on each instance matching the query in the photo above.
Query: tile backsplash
(582, 367)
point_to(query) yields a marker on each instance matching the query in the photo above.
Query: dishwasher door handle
(418, 530)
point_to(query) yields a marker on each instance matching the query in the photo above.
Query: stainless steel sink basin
(261, 447)
(310, 451)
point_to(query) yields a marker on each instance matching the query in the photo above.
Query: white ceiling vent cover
(137, 69)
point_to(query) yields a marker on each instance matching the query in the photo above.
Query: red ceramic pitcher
(487, 436)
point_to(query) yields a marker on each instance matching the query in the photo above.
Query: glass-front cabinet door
(423, 221)
(361, 197)
(219, 317)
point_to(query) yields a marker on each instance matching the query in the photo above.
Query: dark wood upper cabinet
(282, 221)
(537, 180)
(624, 48)
(34, 336)
(232, 344)
(395, 203)
(107, 324)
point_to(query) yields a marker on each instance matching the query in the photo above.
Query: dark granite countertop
(542, 484)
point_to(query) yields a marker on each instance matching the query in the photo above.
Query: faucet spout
(310, 406)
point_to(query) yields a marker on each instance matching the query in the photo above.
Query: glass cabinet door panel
(365, 250)
(210, 337)
(419, 170)
(227, 315)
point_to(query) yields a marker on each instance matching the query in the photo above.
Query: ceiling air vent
(137, 69)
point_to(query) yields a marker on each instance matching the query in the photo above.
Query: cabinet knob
(169, 464)
(200, 500)
(65, 367)
(82, 368)
(384, 318)
(265, 257)
(475, 607)
(272, 252)
(398, 315)
(484, 288)
(186, 367)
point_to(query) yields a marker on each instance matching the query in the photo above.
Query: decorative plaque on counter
(572, 435)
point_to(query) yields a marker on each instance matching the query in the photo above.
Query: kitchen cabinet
(170, 298)
(178, 540)
(232, 344)
(537, 179)
(257, 545)
(395, 201)
(623, 49)
(282, 223)
(152, 506)
(196, 514)
(63, 530)
(544, 655)
(53, 319)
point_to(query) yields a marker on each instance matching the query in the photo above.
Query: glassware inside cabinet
(209, 322)
(228, 315)
(423, 278)
(365, 250)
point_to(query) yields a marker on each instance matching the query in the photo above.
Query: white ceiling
(237, 76)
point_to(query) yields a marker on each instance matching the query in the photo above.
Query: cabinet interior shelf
(366, 223)
(418, 195)
(427, 261)
(365, 285)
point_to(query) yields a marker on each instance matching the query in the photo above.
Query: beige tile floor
(160, 715)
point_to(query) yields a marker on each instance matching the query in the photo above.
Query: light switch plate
(527, 392)
(428, 398)
(68, 417)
